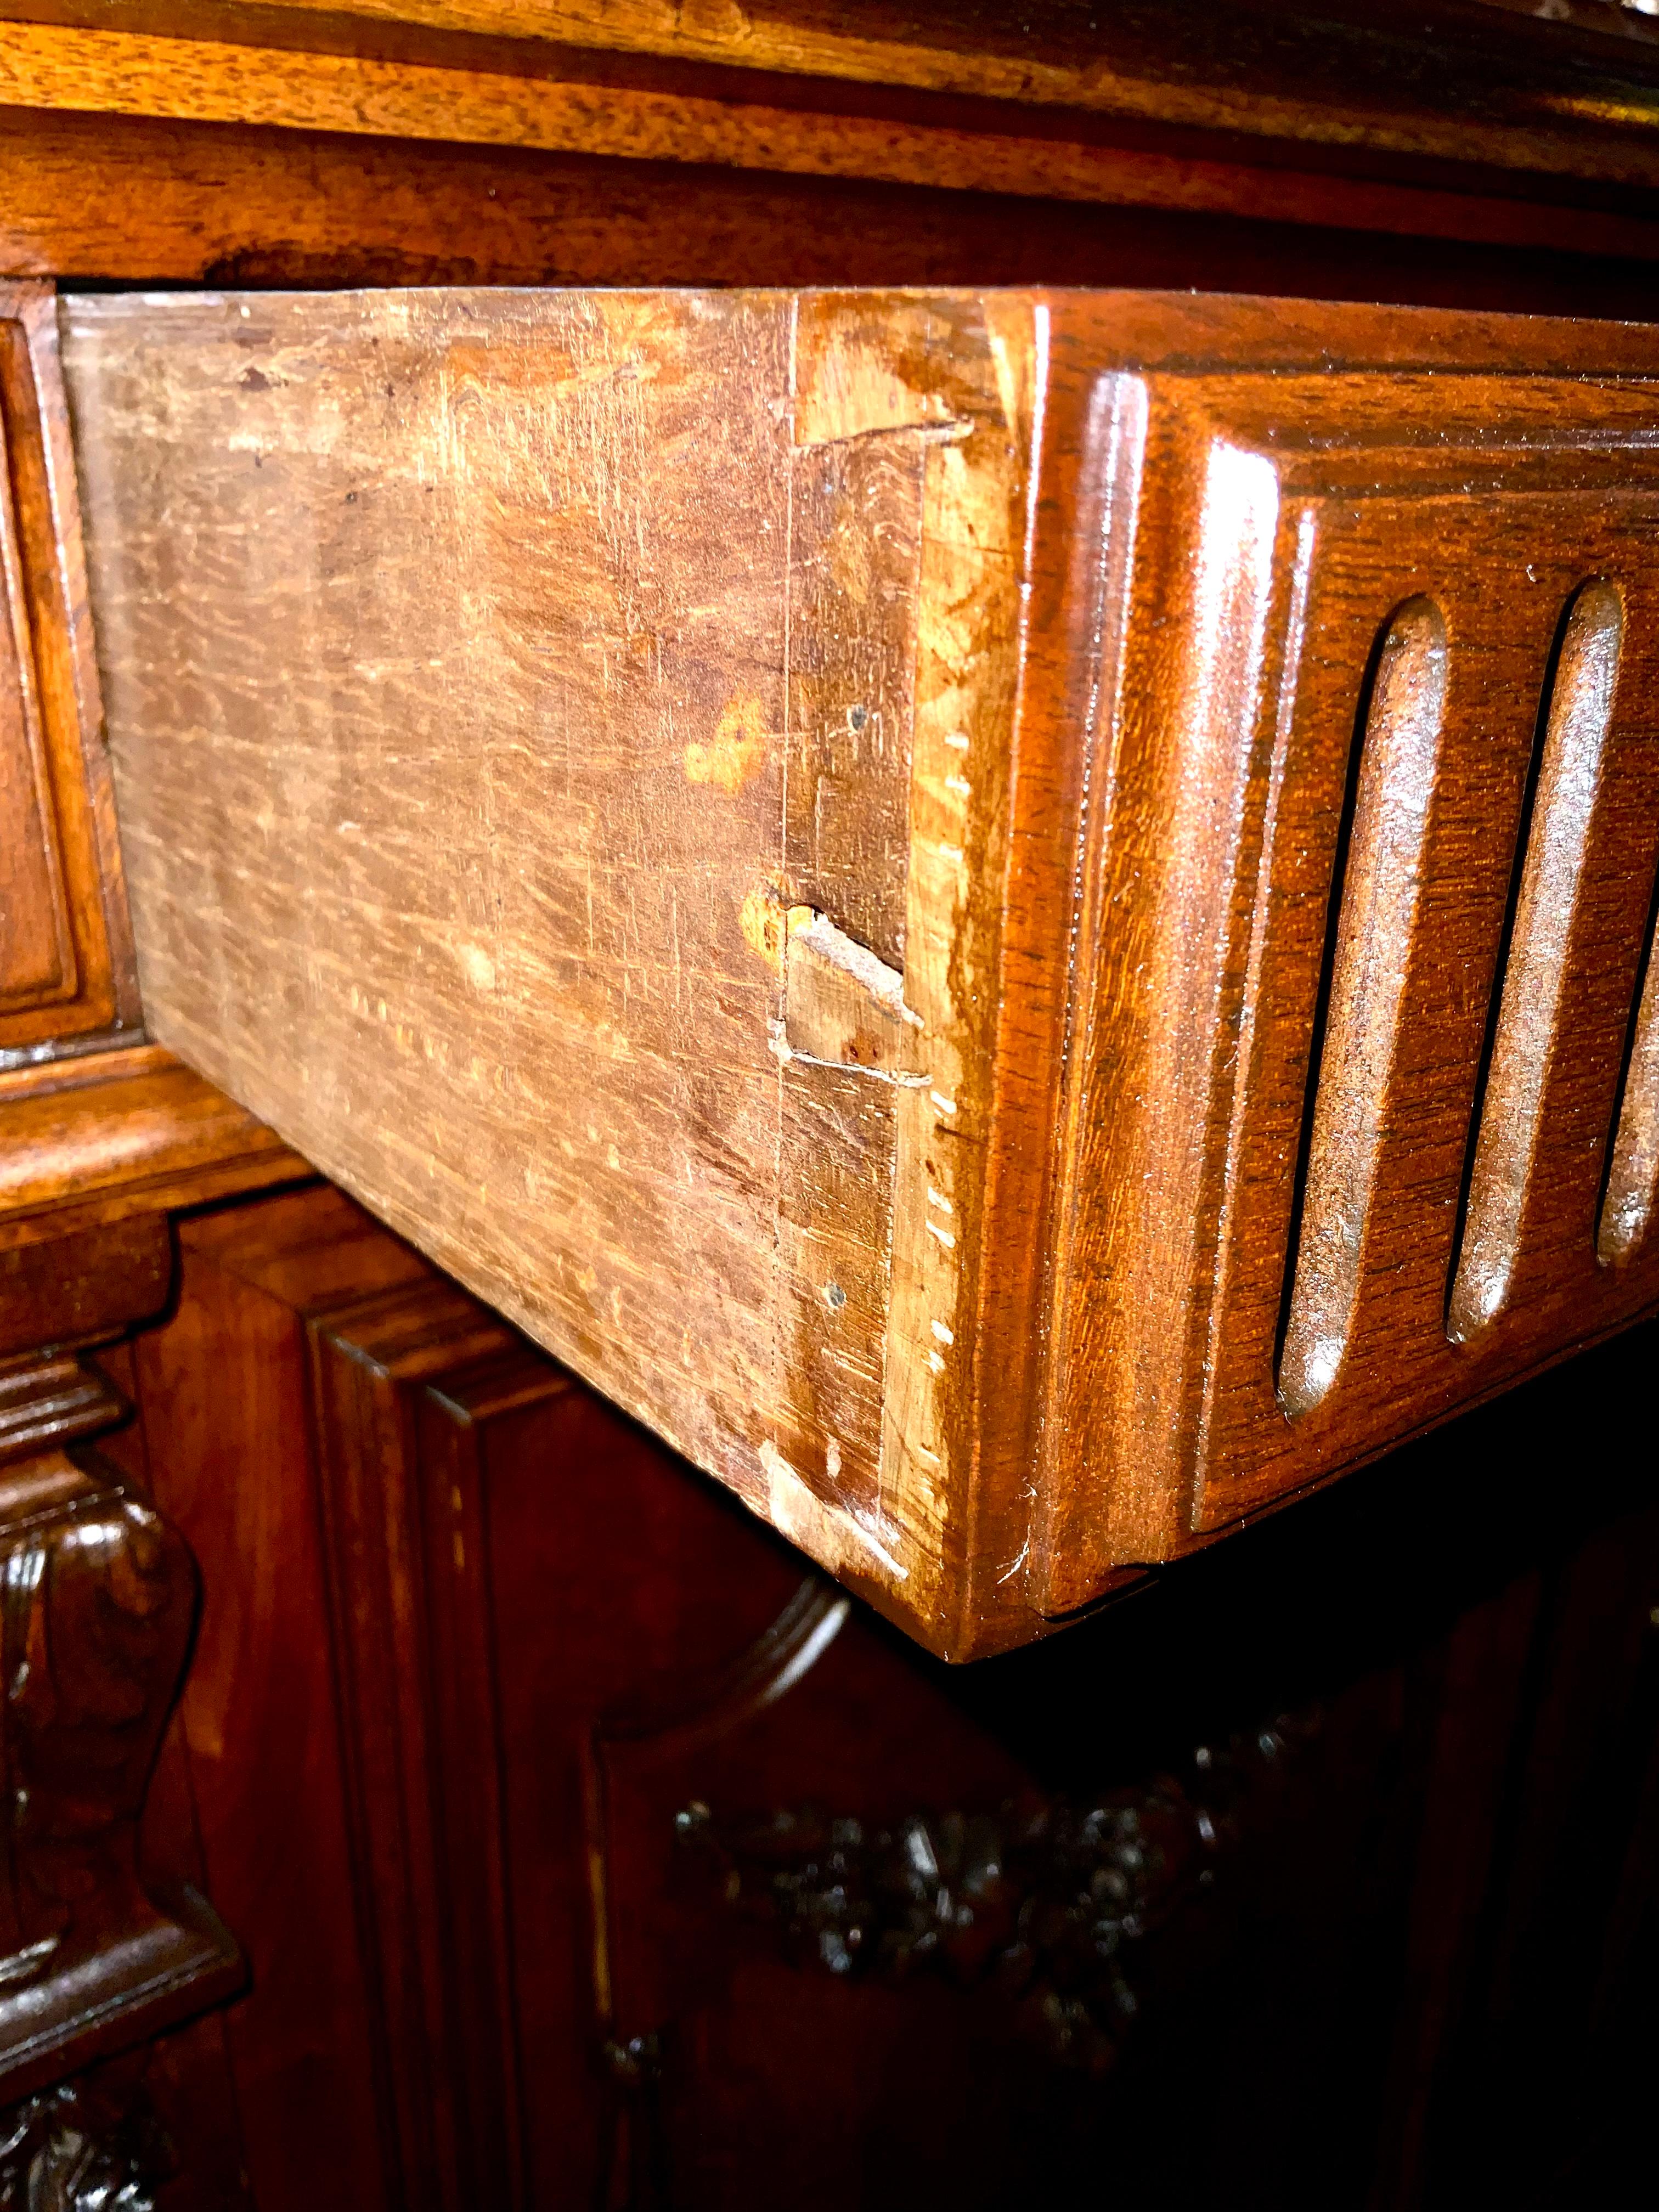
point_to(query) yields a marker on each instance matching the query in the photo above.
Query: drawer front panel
(1382, 834)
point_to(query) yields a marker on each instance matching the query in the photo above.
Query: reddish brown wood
(98, 1137)
(540, 1641)
(1444, 79)
(407, 1546)
(152, 2126)
(1449, 1170)
(83, 1288)
(513, 1568)
(1389, 935)
(104, 1937)
(225, 1411)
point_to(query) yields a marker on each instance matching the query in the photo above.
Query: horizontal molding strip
(218, 82)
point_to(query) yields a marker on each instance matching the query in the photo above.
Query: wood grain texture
(84, 1287)
(298, 143)
(106, 1937)
(410, 1390)
(502, 823)
(1377, 917)
(141, 199)
(100, 1133)
(1523, 1103)
(1442, 1881)
(447, 1590)
(620, 975)
(715, 115)
(1449, 81)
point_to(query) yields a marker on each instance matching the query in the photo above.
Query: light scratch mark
(874, 1544)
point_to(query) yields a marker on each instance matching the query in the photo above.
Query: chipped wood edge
(845, 1007)
(963, 374)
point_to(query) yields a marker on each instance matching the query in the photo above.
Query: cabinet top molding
(1085, 99)
(1463, 79)
(1466, 154)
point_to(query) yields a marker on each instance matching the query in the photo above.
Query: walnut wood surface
(1264, 903)
(1472, 1115)
(477, 1654)
(103, 1136)
(1195, 998)
(465, 1581)
(107, 1938)
(97, 1126)
(101, 1940)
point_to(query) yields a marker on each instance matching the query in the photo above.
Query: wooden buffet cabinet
(927, 757)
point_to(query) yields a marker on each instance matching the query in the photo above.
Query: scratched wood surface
(500, 586)
(1023, 921)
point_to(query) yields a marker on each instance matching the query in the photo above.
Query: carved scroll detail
(97, 1601)
(1047, 1899)
(76, 2149)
